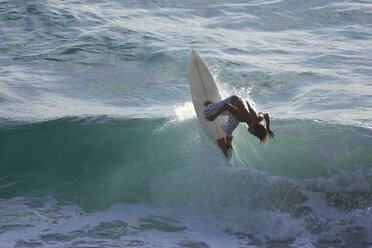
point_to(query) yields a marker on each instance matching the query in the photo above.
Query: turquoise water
(100, 146)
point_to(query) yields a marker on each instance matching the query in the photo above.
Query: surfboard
(203, 88)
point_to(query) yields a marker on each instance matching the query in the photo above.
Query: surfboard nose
(194, 54)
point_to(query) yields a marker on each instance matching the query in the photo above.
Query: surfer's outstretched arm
(234, 111)
(267, 120)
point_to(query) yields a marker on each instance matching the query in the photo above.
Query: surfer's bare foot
(206, 103)
(224, 150)
(229, 146)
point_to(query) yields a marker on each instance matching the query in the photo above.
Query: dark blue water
(100, 146)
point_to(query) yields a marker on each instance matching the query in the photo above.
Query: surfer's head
(259, 131)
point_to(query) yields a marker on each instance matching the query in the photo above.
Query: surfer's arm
(233, 111)
(267, 120)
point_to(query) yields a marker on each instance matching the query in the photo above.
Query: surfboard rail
(203, 88)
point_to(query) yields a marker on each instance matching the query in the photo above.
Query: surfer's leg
(230, 125)
(229, 141)
(211, 108)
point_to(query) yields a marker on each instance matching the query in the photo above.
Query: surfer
(238, 110)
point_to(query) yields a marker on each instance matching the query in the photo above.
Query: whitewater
(100, 145)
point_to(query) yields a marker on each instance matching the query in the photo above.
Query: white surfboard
(203, 88)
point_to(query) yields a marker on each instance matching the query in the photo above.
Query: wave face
(80, 158)
(314, 178)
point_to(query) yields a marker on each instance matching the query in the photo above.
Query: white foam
(51, 106)
(184, 111)
(70, 221)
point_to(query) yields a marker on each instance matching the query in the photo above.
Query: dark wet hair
(260, 132)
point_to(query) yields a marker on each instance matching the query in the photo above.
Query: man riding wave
(238, 110)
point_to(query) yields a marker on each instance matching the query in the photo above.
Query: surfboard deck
(204, 88)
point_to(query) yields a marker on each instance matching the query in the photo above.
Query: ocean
(100, 145)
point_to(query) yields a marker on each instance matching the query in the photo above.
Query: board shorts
(231, 123)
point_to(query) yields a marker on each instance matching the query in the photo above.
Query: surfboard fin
(221, 144)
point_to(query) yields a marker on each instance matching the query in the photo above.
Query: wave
(103, 160)
(312, 179)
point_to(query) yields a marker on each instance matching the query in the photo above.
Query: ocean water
(100, 145)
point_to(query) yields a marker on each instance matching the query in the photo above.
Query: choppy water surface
(100, 146)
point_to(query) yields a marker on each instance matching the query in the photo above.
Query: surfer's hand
(271, 133)
(211, 117)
